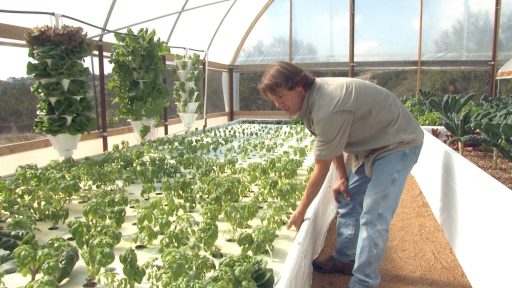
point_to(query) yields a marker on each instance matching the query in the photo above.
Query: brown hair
(284, 75)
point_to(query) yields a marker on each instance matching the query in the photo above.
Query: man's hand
(315, 182)
(341, 186)
(296, 219)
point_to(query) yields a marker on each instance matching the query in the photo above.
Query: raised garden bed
(472, 209)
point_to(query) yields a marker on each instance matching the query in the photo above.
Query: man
(383, 140)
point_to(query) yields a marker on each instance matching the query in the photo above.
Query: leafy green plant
(180, 188)
(185, 267)
(153, 275)
(137, 74)
(60, 85)
(207, 234)
(133, 273)
(497, 136)
(455, 116)
(57, 214)
(43, 282)
(238, 214)
(187, 90)
(275, 215)
(181, 233)
(493, 121)
(242, 271)
(419, 108)
(96, 245)
(106, 207)
(152, 220)
(258, 241)
(23, 220)
(55, 259)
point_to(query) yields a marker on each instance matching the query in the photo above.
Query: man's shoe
(331, 265)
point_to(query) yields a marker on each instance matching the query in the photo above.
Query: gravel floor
(418, 254)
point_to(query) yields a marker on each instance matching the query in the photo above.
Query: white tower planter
(186, 91)
(137, 125)
(64, 143)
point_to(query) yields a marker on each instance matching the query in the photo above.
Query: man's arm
(341, 186)
(314, 184)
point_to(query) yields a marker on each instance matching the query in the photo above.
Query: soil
(483, 159)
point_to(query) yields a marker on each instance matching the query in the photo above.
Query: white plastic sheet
(473, 210)
(308, 243)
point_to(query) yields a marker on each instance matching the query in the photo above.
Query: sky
(388, 32)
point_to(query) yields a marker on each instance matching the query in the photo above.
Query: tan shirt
(357, 117)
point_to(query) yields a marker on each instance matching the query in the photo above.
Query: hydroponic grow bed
(243, 157)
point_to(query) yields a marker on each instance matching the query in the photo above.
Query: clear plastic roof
(236, 32)
(196, 28)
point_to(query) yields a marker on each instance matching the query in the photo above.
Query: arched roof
(202, 25)
(236, 32)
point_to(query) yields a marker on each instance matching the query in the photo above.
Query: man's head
(286, 84)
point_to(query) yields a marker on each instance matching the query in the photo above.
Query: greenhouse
(137, 149)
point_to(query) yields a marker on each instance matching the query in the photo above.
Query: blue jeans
(363, 222)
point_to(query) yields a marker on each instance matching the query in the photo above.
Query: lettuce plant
(60, 75)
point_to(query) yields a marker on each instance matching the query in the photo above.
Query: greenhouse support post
(164, 81)
(205, 92)
(420, 38)
(351, 63)
(495, 47)
(103, 101)
(230, 94)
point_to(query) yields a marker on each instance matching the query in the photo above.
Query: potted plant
(61, 85)
(187, 91)
(137, 72)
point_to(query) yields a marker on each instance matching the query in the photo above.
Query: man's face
(289, 101)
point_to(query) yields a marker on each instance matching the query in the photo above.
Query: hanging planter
(189, 117)
(183, 75)
(192, 107)
(188, 120)
(64, 143)
(136, 80)
(144, 129)
(186, 91)
(60, 77)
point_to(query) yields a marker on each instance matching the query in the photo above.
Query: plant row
(486, 122)
(241, 175)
